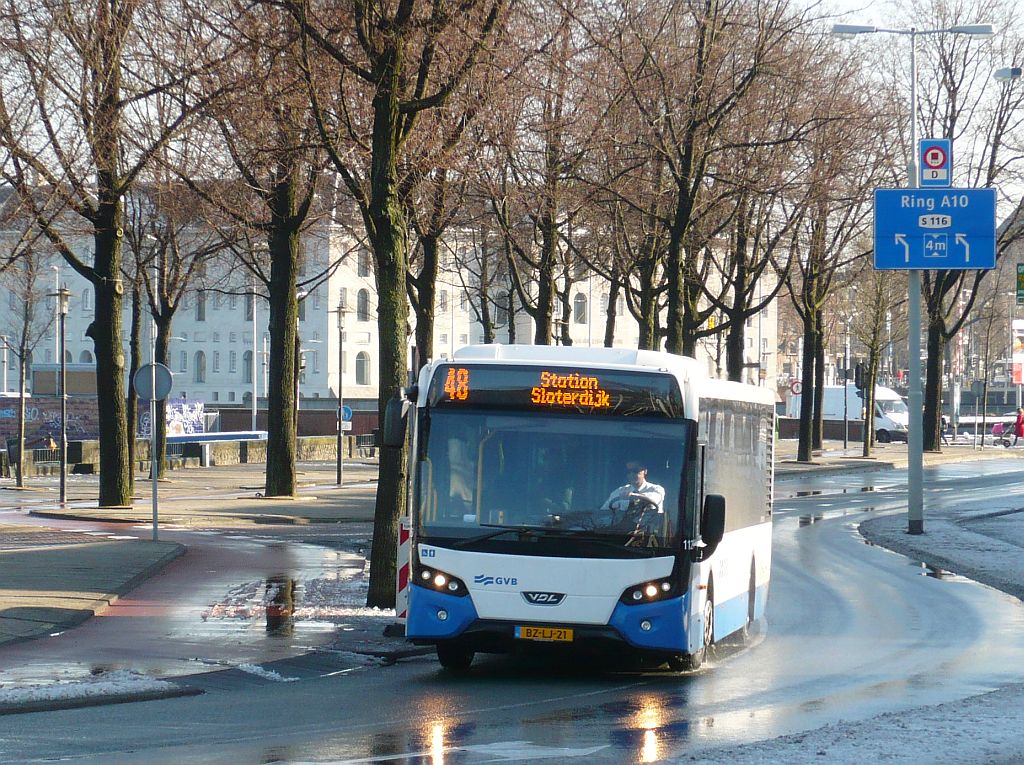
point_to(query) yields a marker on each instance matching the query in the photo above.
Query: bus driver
(638, 489)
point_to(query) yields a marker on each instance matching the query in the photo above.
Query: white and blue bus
(516, 454)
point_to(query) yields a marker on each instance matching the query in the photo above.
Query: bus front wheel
(454, 658)
(693, 661)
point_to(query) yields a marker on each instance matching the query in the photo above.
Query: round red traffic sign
(795, 387)
(935, 157)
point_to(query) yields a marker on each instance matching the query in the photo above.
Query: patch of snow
(108, 684)
(266, 674)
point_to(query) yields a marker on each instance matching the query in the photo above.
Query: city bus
(516, 455)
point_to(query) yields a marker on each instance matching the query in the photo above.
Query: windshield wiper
(521, 529)
(585, 535)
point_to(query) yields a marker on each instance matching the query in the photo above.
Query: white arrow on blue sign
(935, 229)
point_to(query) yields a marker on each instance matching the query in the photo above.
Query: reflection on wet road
(208, 609)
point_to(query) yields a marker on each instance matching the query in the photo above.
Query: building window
(68, 358)
(201, 306)
(183, 366)
(249, 305)
(363, 263)
(363, 368)
(216, 337)
(463, 300)
(302, 310)
(233, 302)
(443, 339)
(579, 308)
(232, 362)
(87, 299)
(620, 305)
(199, 373)
(216, 396)
(442, 301)
(311, 361)
(216, 362)
(343, 298)
(85, 358)
(363, 306)
(233, 337)
(247, 367)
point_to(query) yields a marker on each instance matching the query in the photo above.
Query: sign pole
(915, 451)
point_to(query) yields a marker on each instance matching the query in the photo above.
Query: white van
(891, 414)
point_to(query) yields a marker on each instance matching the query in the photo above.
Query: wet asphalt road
(852, 631)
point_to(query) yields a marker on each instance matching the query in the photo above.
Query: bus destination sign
(583, 391)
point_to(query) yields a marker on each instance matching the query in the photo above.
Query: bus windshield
(499, 475)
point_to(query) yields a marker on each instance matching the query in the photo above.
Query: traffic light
(858, 376)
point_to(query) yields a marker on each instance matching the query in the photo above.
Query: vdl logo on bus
(544, 598)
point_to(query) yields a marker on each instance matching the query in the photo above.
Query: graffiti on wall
(183, 418)
(42, 420)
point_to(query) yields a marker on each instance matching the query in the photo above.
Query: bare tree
(22, 281)
(76, 123)
(387, 64)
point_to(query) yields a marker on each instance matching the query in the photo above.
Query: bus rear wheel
(454, 657)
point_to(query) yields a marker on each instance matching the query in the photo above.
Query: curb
(54, 705)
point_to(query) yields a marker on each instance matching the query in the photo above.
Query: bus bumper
(435, 616)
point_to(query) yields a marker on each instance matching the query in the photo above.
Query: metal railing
(45, 455)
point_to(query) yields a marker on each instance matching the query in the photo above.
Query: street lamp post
(341, 373)
(58, 343)
(255, 388)
(62, 296)
(915, 452)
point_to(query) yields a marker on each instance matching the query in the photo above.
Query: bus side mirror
(712, 524)
(394, 420)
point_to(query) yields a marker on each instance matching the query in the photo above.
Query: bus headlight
(648, 592)
(439, 581)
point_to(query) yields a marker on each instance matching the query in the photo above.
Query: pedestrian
(943, 429)
(1018, 426)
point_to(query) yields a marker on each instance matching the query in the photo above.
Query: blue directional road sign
(935, 229)
(346, 413)
(935, 160)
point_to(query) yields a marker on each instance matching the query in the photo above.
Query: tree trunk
(163, 356)
(105, 332)
(819, 379)
(804, 445)
(734, 347)
(609, 317)
(931, 423)
(426, 294)
(284, 314)
(134, 362)
(388, 238)
(20, 474)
